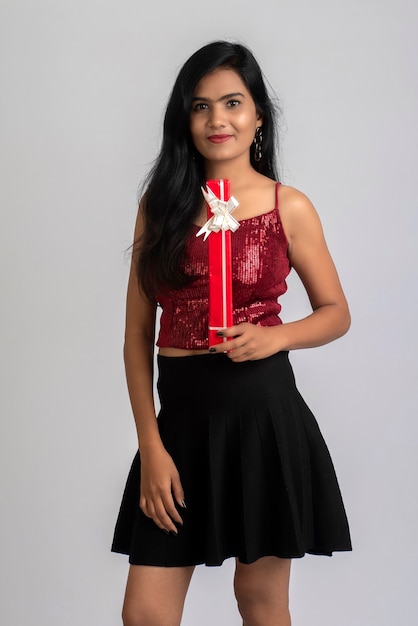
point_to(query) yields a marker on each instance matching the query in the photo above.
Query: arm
(309, 255)
(159, 476)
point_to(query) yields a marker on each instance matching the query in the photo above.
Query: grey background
(83, 88)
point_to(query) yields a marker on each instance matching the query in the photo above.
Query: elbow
(125, 351)
(346, 327)
(345, 321)
(137, 343)
(126, 354)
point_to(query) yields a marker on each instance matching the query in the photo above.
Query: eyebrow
(226, 97)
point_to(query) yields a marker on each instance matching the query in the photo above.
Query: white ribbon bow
(222, 218)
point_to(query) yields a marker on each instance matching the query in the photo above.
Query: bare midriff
(180, 352)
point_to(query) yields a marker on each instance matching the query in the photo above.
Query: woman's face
(223, 119)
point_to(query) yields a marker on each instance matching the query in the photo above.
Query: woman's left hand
(250, 342)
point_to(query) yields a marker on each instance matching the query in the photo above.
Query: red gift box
(218, 229)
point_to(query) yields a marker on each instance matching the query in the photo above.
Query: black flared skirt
(257, 475)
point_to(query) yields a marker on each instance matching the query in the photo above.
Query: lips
(219, 138)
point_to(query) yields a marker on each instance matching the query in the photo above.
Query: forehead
(219, 82)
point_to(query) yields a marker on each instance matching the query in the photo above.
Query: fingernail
(173, 533)
(183, 504)
(212, 349)
(220, 333)
(165, 531)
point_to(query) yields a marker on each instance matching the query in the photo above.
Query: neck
(236, 172)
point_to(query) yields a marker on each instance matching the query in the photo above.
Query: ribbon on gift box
(220, 205)
(221, 218)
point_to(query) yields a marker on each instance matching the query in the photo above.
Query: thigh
(265, 580)
(155, 595)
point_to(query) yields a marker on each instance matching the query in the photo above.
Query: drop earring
(258, 140)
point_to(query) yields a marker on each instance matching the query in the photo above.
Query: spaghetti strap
(279, 218)
(276, 206)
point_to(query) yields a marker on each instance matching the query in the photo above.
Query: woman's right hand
(160, 488)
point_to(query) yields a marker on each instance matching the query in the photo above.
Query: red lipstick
(219, 138)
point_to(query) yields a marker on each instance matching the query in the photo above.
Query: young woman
(235, 465)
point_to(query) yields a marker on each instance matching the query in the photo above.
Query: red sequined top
(259, 271)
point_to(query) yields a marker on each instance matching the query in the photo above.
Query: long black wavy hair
(173, 198)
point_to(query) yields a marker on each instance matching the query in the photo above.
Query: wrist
(280, 337)
(149, 440)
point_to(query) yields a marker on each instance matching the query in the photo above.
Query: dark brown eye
(200, 106)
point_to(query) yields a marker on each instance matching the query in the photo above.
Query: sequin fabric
(259, 269)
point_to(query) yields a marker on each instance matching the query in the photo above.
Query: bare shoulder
(293, 202)
(297, 212)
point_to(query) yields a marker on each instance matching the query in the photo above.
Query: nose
(217, 116)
